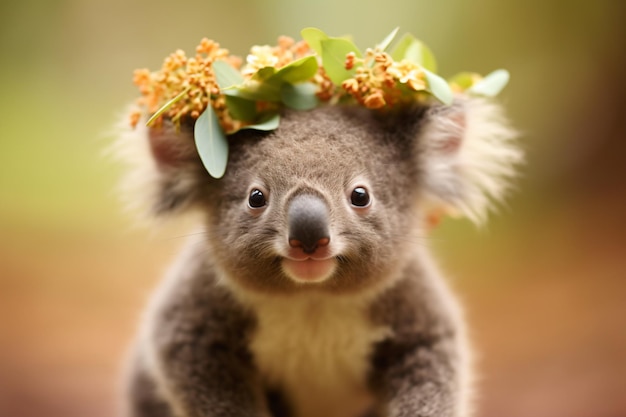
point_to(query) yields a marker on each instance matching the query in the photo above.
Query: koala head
(335, 198)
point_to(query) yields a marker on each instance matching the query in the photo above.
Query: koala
(310, 290)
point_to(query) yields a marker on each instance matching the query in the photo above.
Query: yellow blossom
(260, 57)
(408, 73)
(287, 51)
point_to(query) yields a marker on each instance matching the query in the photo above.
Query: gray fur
(194, 358)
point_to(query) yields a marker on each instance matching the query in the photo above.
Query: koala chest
(316, 351)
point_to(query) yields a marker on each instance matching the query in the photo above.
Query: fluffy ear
(468, 157)
(164, 172)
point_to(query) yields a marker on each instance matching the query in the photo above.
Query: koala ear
(164, 171)
(468, 157)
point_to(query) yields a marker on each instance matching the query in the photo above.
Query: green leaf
(297, 71)
(388, 39)
(464, 79)
(313, 36)
(241, 108)
(299, 96)
(264, 73)
(415, 51)
(492, 84)
(266, 84)
(166, 106)
(225, 75)
(399, 51)
(211, 143)
(422, 55)
(269, 89)
(438, 87)
(270, 123)
(334, 53)
(256, 91)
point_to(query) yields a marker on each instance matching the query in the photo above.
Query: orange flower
(350, 58)
(141, 76)
(178, 73)
(351, 85)
(374, 101)
(135, 116)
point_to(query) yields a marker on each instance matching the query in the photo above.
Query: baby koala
(311, 291)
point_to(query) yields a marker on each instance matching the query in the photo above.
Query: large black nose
(308, 223)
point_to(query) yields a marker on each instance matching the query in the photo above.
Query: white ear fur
(138, 187)
(146, 185)
(469, 156)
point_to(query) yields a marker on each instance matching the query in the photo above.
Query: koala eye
(256, 199)
(360, 197)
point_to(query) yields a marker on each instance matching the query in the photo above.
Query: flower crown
(224, 96)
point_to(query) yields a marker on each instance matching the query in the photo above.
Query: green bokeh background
(544, 282)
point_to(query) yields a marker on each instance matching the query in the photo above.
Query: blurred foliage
(67, 62)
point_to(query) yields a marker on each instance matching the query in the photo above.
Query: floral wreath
(224, 96)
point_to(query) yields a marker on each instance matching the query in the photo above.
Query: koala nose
(308, 223)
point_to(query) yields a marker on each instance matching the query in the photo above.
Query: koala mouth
(309, 269)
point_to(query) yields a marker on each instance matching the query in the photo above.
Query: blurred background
(544, 284)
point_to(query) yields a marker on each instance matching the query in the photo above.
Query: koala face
(325, 202)
(334, 198)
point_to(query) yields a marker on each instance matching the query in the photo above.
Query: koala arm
(421, 369)
(196, 340)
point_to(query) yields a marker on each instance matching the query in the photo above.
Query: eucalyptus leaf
(399, 51)
(256, 91)
(299, 96)
(266, 83)
(438, 87)
(268, 124)
(166, 106)
(297, 71)
(334, 53)
(464, 79)
(313, 36)
(211, 143)
(419, 53)
(241, 108)
(264, 73)
(415, 51)
(388, 39)
(225, 75)
(492, 84)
